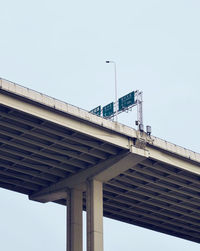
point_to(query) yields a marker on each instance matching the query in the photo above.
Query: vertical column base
(74, 220)
(94, 216)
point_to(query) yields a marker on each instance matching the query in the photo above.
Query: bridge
(55, 152)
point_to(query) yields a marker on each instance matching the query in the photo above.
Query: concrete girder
(157, 197)
(51, 147)
(140, 213)
(84, 149)
(23, 177)
(147, 221)
(61, 169)
(156, 182)
(17, 93)
(50, 173)
(141, 208)
(173, 160)
(66, 121)
(181, 173)
(148, 200)
(103, 172)
(69, 164)
(169, 194)
(182, 184)
(97, 150)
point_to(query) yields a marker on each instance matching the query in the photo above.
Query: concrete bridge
(53, 151)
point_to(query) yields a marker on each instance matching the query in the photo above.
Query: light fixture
(148, 129)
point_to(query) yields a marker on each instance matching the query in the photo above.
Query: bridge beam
(103, 172)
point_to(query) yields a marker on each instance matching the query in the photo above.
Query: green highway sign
(108, 110)
(126, 101)
(96, 111)
(123, 104)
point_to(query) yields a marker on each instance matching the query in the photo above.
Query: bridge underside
(35, 154)
(38, 156)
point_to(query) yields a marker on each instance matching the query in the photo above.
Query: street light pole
(115, 71)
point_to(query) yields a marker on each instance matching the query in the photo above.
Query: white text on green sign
(96, 111)
(126, 101)
(108, 110)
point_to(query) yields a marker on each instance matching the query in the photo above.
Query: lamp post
(115, 71)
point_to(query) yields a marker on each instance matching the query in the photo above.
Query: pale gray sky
(60, 47)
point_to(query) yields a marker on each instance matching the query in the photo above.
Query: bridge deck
(44, 141)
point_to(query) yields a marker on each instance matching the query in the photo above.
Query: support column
(74, 220)
(94, 216)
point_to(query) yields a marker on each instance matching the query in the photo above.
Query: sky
(59, 48)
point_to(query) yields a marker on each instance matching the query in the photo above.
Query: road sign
(108, 110)
(96, 111)
(126, 101)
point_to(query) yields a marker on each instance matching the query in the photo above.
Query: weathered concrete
(94, 215)
(117, 134)
(68, 150)
(74, 220)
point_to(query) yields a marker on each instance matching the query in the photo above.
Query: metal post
(140, 110)
(115, 70)
(116, 92)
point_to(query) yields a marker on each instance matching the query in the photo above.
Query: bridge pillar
(74, 220)
(94, 207)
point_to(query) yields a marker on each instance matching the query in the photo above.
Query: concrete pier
(94, 216)
(74, 220)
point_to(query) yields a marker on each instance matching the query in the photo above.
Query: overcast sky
(59, 48)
